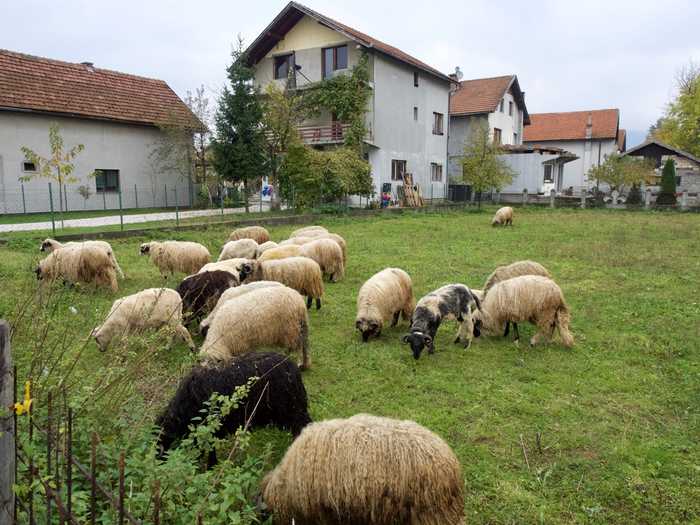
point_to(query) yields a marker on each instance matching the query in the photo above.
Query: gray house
(114, 115)
(407, 114)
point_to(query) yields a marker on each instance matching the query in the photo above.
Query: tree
(667, 195)
(622, 172)
(58, 166)
(199, 105)
(680, 125)
(481, 166)
(239, 145)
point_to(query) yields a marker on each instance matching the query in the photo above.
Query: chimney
(589, 126)
(456, 77)
(89, 65)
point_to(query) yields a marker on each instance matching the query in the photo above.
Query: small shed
(687, 165)
(539, 169)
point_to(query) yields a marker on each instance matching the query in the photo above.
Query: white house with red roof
(407, 115)
(116, 116)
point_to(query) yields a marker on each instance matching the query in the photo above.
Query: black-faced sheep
(384, 296)
(277, 397)
(232, 293)
(454, 301)
(531, 298)
(176, 256)
(503, 217)
(149, 309)
(265, 317)
(240, 249)
(366, 470)
(79, 264)
(304, 232)
(50, 245)
(262, 248)
(201, 291)
(300, 273)
(257, 233)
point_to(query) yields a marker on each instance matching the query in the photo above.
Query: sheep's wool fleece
(366, 469)
(240, 249)
(234, 292)
(384, 293)
(515, 269)
(257, 233)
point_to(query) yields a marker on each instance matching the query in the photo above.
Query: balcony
(332, 134)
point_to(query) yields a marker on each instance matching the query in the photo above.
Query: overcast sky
(568, 55)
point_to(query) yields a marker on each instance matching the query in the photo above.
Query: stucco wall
(506, 123)
(529, 168)
(461, 129)
(107, 146)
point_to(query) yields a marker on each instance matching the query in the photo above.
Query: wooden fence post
(684, 200)
(7, 428)
(524, 197)
(552, 194)
(583, 199)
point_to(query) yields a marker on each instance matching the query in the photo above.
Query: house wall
(108, 145)
(529, 168)
(506, 123)
(461, 129)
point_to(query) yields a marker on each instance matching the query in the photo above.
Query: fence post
(121, 213)
(7, 429)
(136, 196)
(552, 193)
(53, 222)
(24, 202)
(524, 197)
(104, 199)
(684, 200)
(177, 210)
(166, 195)
(221, 198)
(583, 199)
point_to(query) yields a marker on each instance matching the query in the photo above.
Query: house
(687, 165)
(114, 115)
(406, 119)
(538, 169)
(589, 135)
(495, 103)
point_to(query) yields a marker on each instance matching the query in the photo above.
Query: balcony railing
(332, 134)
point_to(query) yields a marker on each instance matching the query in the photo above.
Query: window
(678, 180)
(497, 136)
(28, 166)
(500, 107)
(437, 123)
(333, 59)
(510, 108)
(548, 173)
(415, 113)
(435, 172)
(282, 66)
(106, 180)
(415, 79)
(398, 168)
(515, 138)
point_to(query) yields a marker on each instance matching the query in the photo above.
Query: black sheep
(279, 394)
(201, 291)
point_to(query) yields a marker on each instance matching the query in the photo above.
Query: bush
(634, 197)
(667, 197)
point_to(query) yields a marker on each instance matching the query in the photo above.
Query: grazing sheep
(50, 245)
(264, 317)
(229, 265)
(300, 273)
(366, 470)
(503, 217)
(329, 256)
(277, 397)
(148, 309)
(454, 301)
(176, 256)
(262, 248)
(79, 264)
(240, 249)
(304, 240)
(308, 231)
(281, 252)
(257, 233)
(201, 291)
(232, 293)
(384, 296)
(532, 298)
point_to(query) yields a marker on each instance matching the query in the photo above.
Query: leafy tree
(668, 184)
(680, 125)
(239, 145)
(58, 166)
(481, 166)
(199, 105)
(622, 172)
(172, 152)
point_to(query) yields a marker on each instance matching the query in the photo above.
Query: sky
(568, 55)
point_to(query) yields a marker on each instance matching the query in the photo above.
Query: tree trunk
(245, 195)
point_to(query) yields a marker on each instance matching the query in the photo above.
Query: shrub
(667, 196)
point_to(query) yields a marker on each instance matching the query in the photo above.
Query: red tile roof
(51, 86)
(481, 95)
(573, 125)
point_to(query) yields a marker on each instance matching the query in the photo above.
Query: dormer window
(282, 66)
(334, 59)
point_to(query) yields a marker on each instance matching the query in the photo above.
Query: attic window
(28, 167)
(415, 79)
(282, 66)
(510, 108)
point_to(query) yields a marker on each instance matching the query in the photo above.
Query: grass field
(604, 433)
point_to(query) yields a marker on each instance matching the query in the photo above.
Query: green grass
(610, 428)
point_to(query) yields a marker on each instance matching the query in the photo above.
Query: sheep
(262, 248)
(304, 240)
(50, 245)
(232, 266)
(201, 291)
(240, 249)
(532, 298)
(264, 317)
(149, 309)
(325, 251)
(300, 273)
(232, 293)
(176, 256)
(281, 252)
(304, 232)
(79, 264)
(366, 469)
(503, 217)
(257, 233)
(277, 397)
(383, 297)
(453, 301)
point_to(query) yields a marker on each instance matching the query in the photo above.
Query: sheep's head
(145, 248)
(245, 270)
(368, 328)
(101, 343)
(48, 245)
(418, 341)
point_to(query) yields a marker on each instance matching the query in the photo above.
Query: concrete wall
(108, 145)
(461, 129)
(506, 123)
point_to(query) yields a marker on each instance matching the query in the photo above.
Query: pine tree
(239, 146)
(668, 184)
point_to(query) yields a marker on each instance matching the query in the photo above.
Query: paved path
(128, 219)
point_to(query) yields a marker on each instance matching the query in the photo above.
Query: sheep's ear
(405, 338)
(358, 323)
(427, 339)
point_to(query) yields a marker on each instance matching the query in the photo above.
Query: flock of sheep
(364, 469)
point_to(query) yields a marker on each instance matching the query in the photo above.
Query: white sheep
(79, 264)
(281, 252)
(384, 296)
(232, 293)
(149, 309)
(300, 273)
(308, 231)
(262, 248)
(257, 233)
(50, 245)
(305, 240)
(240, 249)
(271, 316)
(329, 256)
(233, 266)
(176, 256)
(515, 269)
(503, 217)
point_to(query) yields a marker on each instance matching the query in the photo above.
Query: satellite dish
(458, 73)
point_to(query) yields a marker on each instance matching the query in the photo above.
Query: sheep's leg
(395, 319)
(505, 334)
(309, 301)
(545, 329)
(465, 332)
(303, 346)
(516, 333)
(318, 303)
